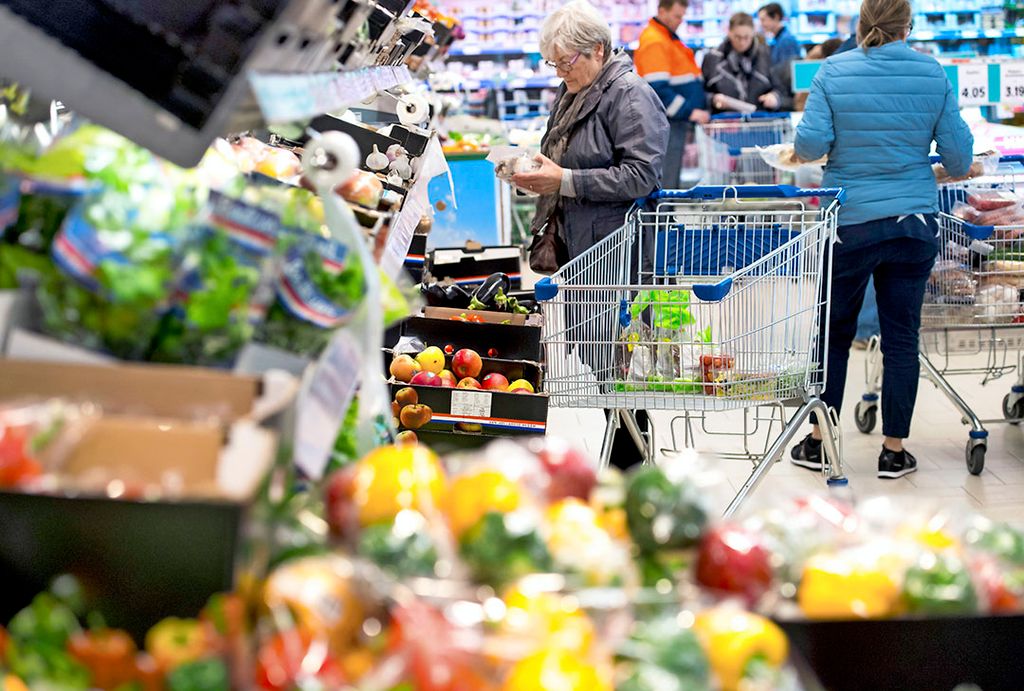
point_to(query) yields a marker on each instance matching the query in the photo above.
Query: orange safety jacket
(669, 67)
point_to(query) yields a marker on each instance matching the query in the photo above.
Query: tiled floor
(937, 439)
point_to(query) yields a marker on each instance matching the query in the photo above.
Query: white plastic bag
(510, 160)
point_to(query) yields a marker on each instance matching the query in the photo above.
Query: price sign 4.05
(972, 83)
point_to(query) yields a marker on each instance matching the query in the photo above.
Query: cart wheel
(1013, 413)
(975, 457)
(866, 416)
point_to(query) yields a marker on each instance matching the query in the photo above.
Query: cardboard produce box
(516, 340)
(472, 265)
(472, 410)
(173, 433)
(488, 411)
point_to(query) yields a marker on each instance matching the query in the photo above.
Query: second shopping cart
(972, 321)
(728, 148)
(706, 300)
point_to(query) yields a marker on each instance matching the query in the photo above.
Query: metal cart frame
(706, 300)
(728, 148)
(972, 307)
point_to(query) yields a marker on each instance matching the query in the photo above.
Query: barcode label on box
(469, 403)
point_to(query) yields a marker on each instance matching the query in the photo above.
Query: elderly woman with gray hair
(603, 150)
(606, 136)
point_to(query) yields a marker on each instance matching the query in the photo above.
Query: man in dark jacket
(784, 46)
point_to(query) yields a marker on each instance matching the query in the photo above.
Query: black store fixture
(178, 71)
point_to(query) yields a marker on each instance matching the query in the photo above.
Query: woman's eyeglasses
(565, 65)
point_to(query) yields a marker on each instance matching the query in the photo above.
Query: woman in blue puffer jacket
(875, 111)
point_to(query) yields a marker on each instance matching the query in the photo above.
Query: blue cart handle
(1009, 158)
(748, 192)
(977, 232)
(756, 115)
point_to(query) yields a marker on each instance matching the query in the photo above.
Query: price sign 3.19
(1011, 78)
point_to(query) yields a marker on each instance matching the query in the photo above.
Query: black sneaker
(807, 454)
(893, 464)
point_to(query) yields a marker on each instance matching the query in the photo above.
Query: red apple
(447, 379)
(468, 383)
(426, 378)
(449, 349)
(492, 352)
(731, 559)
(570, 471)
(466, 363)
(495, 382)
(341, 510)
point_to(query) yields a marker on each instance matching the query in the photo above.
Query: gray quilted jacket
(615, 154)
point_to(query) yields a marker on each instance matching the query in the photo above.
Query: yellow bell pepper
(471, 496)
(733, 638)
(838, 587)
(555, 670)
(392, 478)
(549, 620)
(12, 683)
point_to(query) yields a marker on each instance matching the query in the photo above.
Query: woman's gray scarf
(568, 112)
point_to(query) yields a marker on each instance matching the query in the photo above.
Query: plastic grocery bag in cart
(659, 336)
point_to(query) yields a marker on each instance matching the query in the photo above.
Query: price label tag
(323, 403)
(469, 403)
(1011, 79)
(972, 83)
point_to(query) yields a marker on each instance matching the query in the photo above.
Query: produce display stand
(207, 482)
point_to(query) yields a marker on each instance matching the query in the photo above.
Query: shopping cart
(727, 148)
(972, 308)
(706, 300)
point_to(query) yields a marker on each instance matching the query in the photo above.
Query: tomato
(435, 662)
(475, 318)
(16, 466)
(283, 660)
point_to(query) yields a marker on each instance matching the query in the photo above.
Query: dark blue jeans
(900, 267)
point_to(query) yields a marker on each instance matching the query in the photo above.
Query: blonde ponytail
(882, 22)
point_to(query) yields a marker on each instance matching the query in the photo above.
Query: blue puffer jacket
(875, 113)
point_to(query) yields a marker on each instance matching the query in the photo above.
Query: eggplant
(489, 289)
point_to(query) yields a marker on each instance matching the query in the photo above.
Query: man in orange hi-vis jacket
(669, 67)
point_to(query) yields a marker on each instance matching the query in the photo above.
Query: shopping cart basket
(727, 148)
(972, 304)
(708, 300)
